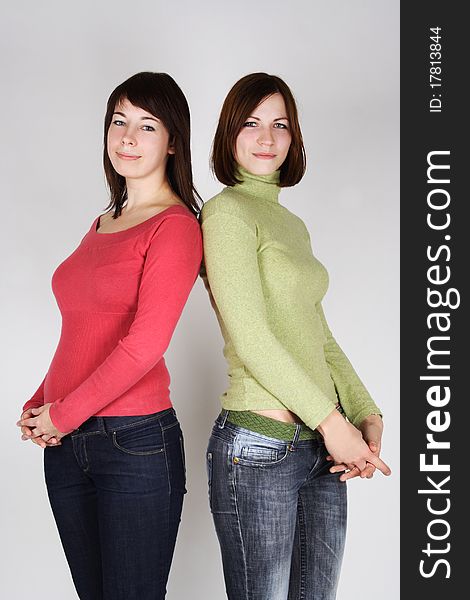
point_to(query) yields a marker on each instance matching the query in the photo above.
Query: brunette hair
(244, 96)
(160, 95)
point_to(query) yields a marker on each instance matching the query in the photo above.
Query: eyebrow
(116, 112)
(278, 119)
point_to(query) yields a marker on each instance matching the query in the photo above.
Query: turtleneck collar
(264, 187)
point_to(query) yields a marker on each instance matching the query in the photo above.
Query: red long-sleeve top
(120, 296)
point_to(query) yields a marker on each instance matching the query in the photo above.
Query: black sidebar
(435, 268)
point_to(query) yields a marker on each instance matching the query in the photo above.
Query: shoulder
(228, 204)
(175, 238)
(176, 217)
(174, 226)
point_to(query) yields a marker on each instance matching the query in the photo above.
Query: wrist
(372, 418)
(333, 422)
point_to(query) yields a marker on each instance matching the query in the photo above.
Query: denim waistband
(223, 422)
(106, 424)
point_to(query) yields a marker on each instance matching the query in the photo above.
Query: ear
(171, 146)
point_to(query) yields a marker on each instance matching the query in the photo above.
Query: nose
(265, 137)
(128, 138)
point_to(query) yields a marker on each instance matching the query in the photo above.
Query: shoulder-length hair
(245, 96)
(160, 95)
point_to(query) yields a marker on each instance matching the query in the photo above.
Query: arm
(354, 397)
(230, 250)
(170, 269)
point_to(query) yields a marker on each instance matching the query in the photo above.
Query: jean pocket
(140, 439)
(259, 454)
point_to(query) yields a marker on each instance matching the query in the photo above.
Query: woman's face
(264, 140)
(138, 143)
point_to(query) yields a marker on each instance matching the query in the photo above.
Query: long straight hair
(160, 95)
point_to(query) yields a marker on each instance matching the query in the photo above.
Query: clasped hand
(36, 425)
(355, 451)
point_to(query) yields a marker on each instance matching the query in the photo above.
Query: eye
(148, 128)
(118, 123)
(249, 124)
(280, 126)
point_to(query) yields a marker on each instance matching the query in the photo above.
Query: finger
(39, 442)
(379, 463)
(374, 447)
(54, 442)
(37, 432)
(49, 437)
(354, 472)
(368, 472)
(360, 464)
(32, 422)
(338, 468)
(27, 433)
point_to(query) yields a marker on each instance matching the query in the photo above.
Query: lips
(264, 155)
(125, 156)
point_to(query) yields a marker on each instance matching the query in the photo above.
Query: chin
(263, 169)
(125, 172)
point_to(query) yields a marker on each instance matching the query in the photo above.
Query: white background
(60, 61)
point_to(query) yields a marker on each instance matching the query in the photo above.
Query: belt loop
(295, 439)
(224, 416)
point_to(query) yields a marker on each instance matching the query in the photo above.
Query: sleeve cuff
(32, 404)
(365, 412)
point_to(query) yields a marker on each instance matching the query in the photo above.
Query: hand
(348, 448)
(36, 424)
(371, 429)
(27, 432)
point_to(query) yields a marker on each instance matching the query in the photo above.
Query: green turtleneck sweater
(266, 289)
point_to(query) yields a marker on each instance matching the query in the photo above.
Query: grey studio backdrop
(60, 62)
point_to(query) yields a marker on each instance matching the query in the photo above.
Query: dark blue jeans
(280, 515)
(116, 490)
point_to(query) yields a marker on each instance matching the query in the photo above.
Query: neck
(264, 187)
(146, 192)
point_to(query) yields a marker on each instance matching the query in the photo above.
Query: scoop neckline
(133, 228)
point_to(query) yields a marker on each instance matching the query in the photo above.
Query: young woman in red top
(114, 458)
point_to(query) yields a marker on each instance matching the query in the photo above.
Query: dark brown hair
(160, 95)
(244, 96)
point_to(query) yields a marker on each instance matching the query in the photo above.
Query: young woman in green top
(279, 506)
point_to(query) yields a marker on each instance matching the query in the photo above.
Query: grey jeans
(279, 514)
